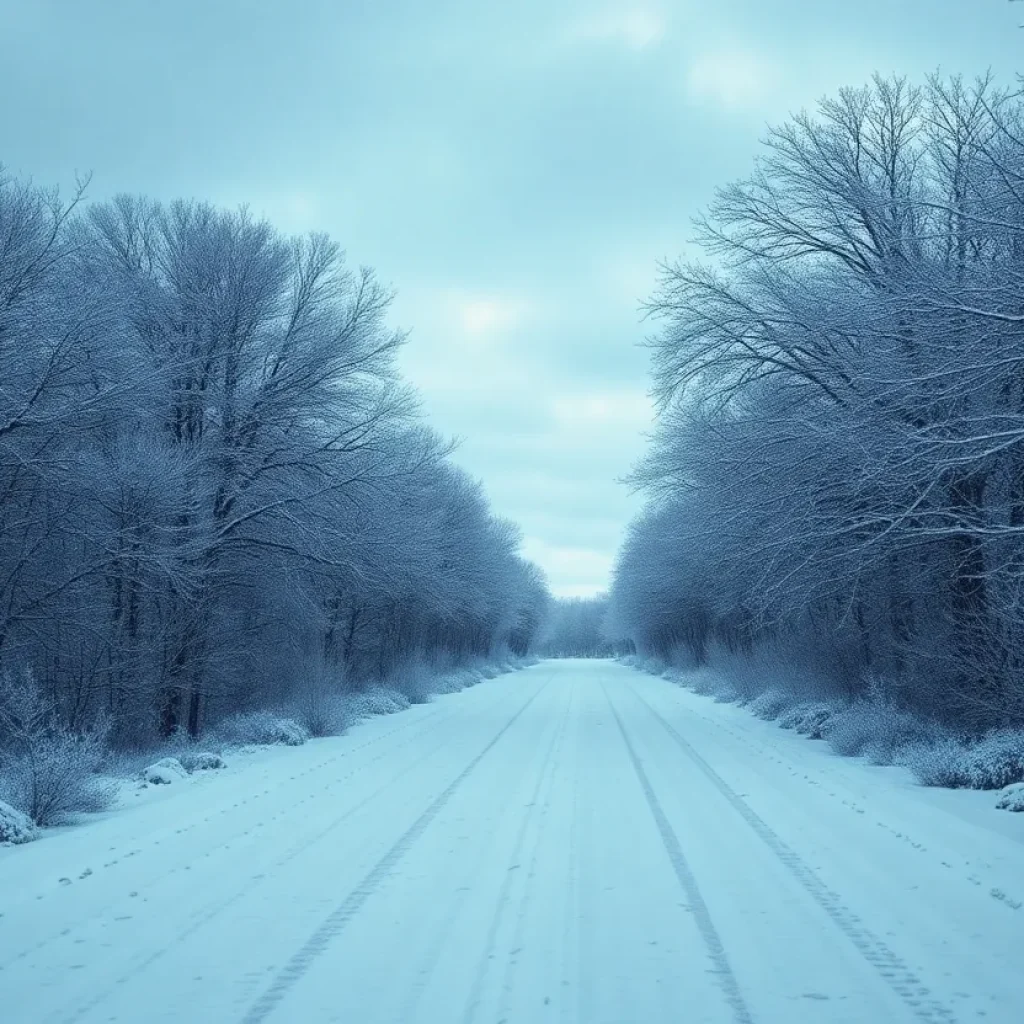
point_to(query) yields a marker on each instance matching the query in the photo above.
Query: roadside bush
(1012, 798)
(996, 761)
(457, 680)
(164, 772)
(677, 676)
(415, 681)
(378, 701)
(15, 826)
(47, 771)
(809, 719)
(56, 777)
(261, 728)
(938, 763)
(201, 761)
(993, 762)
(319, 703)
(709, 683)
(770, 705)
(878, 729)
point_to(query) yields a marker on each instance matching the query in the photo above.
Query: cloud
(634, 26)
(587, 569)
(732, 78)
(620, 410)
(483, 315)
(461, 338)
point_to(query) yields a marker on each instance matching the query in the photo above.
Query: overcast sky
(515, 170)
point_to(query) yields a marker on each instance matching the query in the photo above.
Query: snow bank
(1011, 798)
(880, 730)
(164, 772)
(201, 761)
(15, 827)
(170, 769)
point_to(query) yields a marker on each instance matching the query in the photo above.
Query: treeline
(214, 482)
(575, 629)
(836, 484)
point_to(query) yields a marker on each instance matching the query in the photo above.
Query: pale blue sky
(515, 170)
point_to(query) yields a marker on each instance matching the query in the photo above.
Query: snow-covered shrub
(454, 681)
(15, 826)
(57, 778)
(164, 772)
(1011, 798)
(809, 718)
(200, 761)
(415, 680)
(936, 763)
(48, 771)
(995, 761)
(878, 729)
(261, 728)
(653, 666)
(319, 703)
(707, 682)
(770, 704)
(378, 701)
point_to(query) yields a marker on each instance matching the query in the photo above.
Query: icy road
(574, 843)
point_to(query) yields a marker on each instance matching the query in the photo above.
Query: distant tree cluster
(575, 629)
(212, 477)
(838, 469)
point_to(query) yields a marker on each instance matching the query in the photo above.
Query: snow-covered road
(573, 843)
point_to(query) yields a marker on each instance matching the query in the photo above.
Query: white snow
(15, 827)
(201, 761)
(577, 843)
(1011, 798)
(164, 772)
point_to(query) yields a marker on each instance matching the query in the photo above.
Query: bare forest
(835, 490)
(218, 495)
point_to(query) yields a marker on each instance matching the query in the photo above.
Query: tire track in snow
(535, 811)
(213, 910)
(896, 973)
(723, 971)
(318, 942)
(571, 916)
(243, 832)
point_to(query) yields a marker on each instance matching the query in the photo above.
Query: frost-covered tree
(837, 468)
(575, 628)
(213, 475)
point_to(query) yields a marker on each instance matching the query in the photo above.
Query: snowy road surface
(574, 843)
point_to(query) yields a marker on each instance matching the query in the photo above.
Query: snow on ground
(574, 843)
